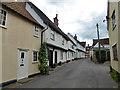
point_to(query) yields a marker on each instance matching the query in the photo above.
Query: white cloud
(77, 16)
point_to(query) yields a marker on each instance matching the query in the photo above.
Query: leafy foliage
(43, 59)
(114, 75)
(103, 55)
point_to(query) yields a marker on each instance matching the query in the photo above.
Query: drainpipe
(42, 33)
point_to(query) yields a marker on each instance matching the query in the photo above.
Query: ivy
(43, 59)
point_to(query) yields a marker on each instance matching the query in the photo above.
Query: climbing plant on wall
(43, 59)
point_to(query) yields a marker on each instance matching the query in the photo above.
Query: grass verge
(115, 76)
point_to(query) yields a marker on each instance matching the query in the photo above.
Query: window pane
(2, 17)
(115, 52)
(36, 32)
(3, 23)
(22, 55)
(34, 56)
(4, 13)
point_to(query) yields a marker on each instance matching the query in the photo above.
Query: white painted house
(56, 40)
(79, 47)
(71, 50)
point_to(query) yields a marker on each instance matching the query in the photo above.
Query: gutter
(42, 33)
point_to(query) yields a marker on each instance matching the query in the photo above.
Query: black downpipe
(42, 34)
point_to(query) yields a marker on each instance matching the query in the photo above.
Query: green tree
(43, 59)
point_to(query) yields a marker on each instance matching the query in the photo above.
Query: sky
(77, 16)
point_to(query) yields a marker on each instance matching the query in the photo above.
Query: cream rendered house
(113, 18)
(20, 41)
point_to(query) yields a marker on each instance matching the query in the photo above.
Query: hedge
(103, 55)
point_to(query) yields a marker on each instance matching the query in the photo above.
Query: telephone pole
(98, 42)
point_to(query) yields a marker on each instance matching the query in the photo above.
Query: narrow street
(79, 74)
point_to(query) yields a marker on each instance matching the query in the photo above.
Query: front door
(56, 57)
(50, 58)
(22, 64)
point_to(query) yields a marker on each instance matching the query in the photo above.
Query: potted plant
(60, 63)
(54, 65)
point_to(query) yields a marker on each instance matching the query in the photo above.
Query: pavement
(77, 74)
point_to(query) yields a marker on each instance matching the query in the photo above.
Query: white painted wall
(78, 54)
(57, 41)
(71, 37)
(34, 15)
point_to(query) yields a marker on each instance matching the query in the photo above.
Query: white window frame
(113, 20)
(115, 52)
(33, 56)
(63, 41)
(36, 31)
(52, 35)
(1, 25)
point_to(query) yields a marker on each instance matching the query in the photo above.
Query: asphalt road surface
(79, 74)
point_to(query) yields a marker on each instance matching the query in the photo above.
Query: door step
(22, 81)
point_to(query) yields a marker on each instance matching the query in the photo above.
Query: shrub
(60, 63)
(103, 55)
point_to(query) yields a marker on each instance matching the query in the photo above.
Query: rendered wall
(18, 34)
(0, 55)
(113, 34)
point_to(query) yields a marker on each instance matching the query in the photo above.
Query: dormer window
(3, 18)
(113, 19)
(52, 35)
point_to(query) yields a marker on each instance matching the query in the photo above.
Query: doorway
(22, 64)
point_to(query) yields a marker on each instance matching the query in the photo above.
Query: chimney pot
(56, 20)
(75, 37)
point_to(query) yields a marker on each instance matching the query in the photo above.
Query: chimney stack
(75, 37)
(56, 20)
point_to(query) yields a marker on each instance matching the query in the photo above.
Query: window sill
(115, 59)
(36, 36)
(34, 62)
(3, 26)
(52, 39)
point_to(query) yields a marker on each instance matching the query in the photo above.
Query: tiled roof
(19, 7)
(104, 41)
(83, 44)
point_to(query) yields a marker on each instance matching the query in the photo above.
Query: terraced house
(20, 41)
(57, 41)
(79, 47)
(113, 18)
(23, 28)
